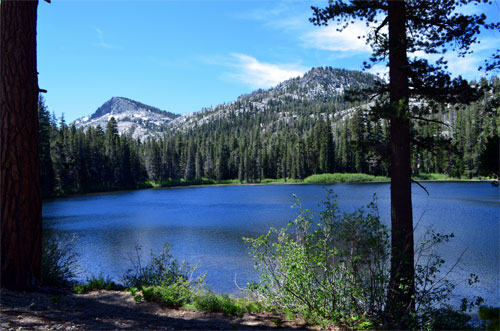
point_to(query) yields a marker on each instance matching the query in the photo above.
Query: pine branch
(423, 187)
(428, 120)
(384, 23)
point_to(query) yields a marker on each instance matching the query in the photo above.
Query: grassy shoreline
(325, 179)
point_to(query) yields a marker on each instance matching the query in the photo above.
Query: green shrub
(174, 295)
(334, 271)
(162, 270)
(163, 279)
(59, 260)
(133, 290)
(333, 267)
(148, 293)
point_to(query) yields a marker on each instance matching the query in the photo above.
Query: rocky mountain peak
(319, 86)
(133, 117)
(292, 98)
(328, 81)
(118, 105)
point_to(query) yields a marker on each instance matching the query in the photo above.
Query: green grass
(281, 181)
(432, 177)
(222, 303)
(343, 178)
(364, 178)
(175, 295)
(182, 295)
(445, 177)
(96, 283)
(228, 182)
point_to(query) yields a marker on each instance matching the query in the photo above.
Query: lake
(205, 226)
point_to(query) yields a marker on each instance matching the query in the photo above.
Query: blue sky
(182, 56)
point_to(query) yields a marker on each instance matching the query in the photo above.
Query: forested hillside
(301, 127)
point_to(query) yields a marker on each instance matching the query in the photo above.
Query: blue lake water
(205, 226)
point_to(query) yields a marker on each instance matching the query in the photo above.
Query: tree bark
(401, 287)
(21, 207)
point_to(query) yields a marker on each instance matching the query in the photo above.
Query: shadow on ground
(105, 310)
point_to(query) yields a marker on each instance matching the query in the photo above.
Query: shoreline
(266, 182)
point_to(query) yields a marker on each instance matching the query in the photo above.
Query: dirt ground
(109, 310)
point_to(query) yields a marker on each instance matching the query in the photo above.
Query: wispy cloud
(328, 38)
(100, 40)
(284, 18)
(293, 18)
(256, 74)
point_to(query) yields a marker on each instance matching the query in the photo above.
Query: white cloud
(294, 19)
(100, 40)
(467, 66)
(328, 38)
(380, 70)
(261, 74)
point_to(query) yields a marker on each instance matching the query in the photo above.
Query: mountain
(293, 98)
(303, 126)
(135, 118)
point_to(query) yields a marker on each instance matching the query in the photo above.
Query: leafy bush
(162, 270)
(59, 260)
(334, 267)
(163, 279)
(133, 290)
(334, 271)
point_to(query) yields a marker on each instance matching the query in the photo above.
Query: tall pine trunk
(401, 287)
(21, 208)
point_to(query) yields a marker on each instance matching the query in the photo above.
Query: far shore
(321, 179)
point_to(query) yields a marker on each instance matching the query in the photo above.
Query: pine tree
(47, 176)
(429, 26)
(190, 171)
(20, 197)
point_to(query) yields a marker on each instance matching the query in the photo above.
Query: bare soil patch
(110, 310)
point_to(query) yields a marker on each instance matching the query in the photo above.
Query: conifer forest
(308, 137)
